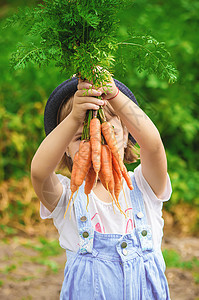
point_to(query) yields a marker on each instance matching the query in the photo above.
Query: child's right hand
(85, 100)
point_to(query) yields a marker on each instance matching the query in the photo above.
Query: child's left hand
(109, 90)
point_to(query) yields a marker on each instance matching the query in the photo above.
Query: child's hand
(109, 90)
(85, 99)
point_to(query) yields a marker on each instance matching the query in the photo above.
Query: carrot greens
(79, 35)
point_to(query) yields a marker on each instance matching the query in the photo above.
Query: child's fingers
(84, 84)
(108, 89)
(80, 98)
(89, 92)
(91, 100)
(88, 106)
(105, 102)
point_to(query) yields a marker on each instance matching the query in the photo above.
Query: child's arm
(44, 180)
(152, 153)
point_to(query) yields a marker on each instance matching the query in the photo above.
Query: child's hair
(131, 152)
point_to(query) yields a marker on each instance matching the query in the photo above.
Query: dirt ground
(24, 279)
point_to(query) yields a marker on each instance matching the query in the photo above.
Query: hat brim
(63, 92)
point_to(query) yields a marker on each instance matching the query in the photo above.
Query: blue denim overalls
(114, 266)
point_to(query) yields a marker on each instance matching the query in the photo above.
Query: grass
(174, 260)
(196, 277)
(52, 265)
(44, 250)
(8, 230)
(9, 269)
(45, 247)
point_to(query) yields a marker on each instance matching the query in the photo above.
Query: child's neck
(101, 192)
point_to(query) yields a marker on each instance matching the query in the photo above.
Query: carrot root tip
(73, 203)
(125, 201)
(87, 203)
(113, 206)
(68, 204)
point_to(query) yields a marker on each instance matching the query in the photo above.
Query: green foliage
(174, 260)
(8, 230)
(9, 269)
(80, 35)
(52, 265)
(150, 55)
(23, 95)
(45, 247)
(196, 278)
(74, 34)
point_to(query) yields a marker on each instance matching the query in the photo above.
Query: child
(108, 256)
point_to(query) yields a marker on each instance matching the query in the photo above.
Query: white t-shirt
(103, 218)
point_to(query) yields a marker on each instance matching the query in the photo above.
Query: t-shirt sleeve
(146, 189)
(59, 210)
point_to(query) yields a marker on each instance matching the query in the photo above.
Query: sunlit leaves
(67, 31)
(149, 54)
(36, 55)
(79, 35)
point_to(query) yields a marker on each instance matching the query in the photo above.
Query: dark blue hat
(62, 93)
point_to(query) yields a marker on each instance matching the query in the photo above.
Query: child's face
(120, 134)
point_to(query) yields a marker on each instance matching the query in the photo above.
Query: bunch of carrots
(98, 156)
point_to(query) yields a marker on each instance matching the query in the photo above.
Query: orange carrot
(102, 179)
(84, 162)
(118, 184)
(95, 138)
(90, 179)
(89, 182)
(73, 186)
(109, 135)
(117, 189)
(106, 164)
(116, 167)
(127, 177)
(110, 189)
(105, 173)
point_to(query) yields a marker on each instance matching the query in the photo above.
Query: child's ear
(67, 152)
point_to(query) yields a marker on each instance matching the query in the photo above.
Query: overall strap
(143, 230)
(85, 229)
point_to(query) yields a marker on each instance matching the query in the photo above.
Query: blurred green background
(173, 108)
